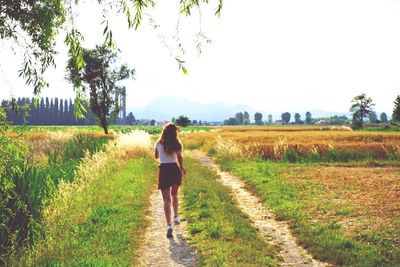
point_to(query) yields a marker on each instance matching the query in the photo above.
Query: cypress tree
(32, 112)
(71, 119)
(60, 112)
(65, 115)
(384, 117)
(46, 115)
(396, 109)
(56, 115)
(51, 112)
(42, 112)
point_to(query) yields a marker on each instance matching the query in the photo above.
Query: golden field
(272, 142)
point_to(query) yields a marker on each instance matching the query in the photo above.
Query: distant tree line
(49, 111)
(243, 118)
(239, 119)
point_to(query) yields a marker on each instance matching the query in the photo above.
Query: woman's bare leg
(175, 200)
(166, 194)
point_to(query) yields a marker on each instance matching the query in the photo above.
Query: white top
(164, 157)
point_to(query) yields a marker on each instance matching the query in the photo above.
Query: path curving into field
(157, 249)
(262, 219)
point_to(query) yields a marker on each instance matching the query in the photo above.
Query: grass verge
(299, 201)
(220, 231)
(102, 225)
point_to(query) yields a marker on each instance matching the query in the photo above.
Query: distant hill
(167, 107)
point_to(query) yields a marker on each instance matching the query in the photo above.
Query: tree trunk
(104, 125)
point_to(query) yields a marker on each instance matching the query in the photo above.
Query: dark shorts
(169, 174)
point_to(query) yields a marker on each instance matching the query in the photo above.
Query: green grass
(103, 226)
(385, 128)
(325, 241)
(336, 156)
(219, 230)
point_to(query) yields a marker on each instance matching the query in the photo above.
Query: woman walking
(168, 150)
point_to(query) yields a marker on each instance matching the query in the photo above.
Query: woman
(169, 150)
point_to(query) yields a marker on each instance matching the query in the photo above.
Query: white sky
(273, 55)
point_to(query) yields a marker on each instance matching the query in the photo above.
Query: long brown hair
(169, 138)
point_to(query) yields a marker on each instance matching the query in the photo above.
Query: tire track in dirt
(262, 219)
(157, 249)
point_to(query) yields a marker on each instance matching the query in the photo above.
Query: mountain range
(168, 107)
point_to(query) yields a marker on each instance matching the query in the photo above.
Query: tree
(194, 122)
(297, 119)
(71, 117)
(384, 117)
(65, 112)
(361, 107)
(61, 112)
(51, 112)
(231, 121)
(286, 117)
(239, 116)
(396, 109)
(246, 118)
(101, 78)
(33, 25)
(182, 121)
(336, 120)
(373, 118)
(258, 118)
(130, 119)
(56, 107)
(308, 117)
(356, 122)
(46, 115)
(270, 119)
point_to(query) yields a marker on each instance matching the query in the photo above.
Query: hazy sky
(273, 55)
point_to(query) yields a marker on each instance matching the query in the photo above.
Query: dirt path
(157, 249)
(262, 219)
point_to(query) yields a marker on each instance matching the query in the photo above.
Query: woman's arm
(180, 161)
(156, 155)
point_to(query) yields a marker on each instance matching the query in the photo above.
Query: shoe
(169, 233)
(177, 219)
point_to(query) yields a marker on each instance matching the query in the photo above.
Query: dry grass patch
(359, 198)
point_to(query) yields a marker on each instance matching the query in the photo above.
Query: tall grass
(103, 224)
(26, 186)
(282, 150)
(103, 163)
(14, 216)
